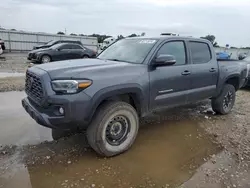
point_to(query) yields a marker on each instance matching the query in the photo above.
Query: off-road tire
(217, 103)
(97, 130)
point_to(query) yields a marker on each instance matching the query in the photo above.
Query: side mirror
(164, 60)
(59, 49)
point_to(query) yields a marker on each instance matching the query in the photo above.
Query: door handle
(186, 72)
(212, 70)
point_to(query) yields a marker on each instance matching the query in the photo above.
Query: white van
(107, 42)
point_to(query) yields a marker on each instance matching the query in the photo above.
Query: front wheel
(224, 103)
(113, 129)
(45, 59)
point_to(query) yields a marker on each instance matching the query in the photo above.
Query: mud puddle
(169, 148)
(16, 127)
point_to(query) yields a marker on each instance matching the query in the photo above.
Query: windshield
(51, 42)
(128, 50)
(56, 46)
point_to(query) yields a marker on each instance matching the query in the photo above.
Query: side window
(200, 52)
(175, 48)
(76, 47)
(66, 46)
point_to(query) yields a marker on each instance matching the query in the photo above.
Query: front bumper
(45, 109)
(75, 108)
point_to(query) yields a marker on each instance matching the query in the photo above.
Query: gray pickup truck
(133, 77)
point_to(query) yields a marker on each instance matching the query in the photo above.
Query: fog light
(61, 110)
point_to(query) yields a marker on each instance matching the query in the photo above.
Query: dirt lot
(185, 147)
(12, 69)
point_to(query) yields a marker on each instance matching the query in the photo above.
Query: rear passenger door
(76, 52)
(63, 52)
(204, 71)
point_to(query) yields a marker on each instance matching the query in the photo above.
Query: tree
(132, 35)
(211, 38)
(119, 37)
(143, 34)
(60, 33)
(100, 38)
(215, 44)
(73, 34)
(82, 35)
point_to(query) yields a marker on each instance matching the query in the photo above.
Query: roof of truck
(162, 37)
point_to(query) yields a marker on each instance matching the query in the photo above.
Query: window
(200, 52)
(76, 47)
(175, 48)
(66, 46)
(129, 50)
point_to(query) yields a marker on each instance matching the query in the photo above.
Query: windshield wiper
(118, 60)
(113, 59)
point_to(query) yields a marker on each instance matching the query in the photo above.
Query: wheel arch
(233, 80)
(130, 93)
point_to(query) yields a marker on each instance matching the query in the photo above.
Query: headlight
(70, 86)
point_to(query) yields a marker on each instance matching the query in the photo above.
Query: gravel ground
(13, 62)
(12, 84)
(231, 168)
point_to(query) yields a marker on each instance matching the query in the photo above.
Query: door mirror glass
(164, 60)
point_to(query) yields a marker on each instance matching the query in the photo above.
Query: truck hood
(86, 68)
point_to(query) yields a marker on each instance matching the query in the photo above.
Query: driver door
(169, 85)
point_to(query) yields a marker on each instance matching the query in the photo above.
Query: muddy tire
(113, 129)
(45, 59)
(58, 134)
(224, 103)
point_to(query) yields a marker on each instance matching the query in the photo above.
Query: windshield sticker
(147, 41)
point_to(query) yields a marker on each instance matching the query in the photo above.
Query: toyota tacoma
(133, 77)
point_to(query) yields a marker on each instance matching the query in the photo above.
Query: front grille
(33, 87)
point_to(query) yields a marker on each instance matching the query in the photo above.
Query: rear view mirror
(164, 60)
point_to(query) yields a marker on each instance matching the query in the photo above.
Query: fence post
(9, 41)
(37, 39)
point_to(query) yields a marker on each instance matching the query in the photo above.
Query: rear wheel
(113, 129)
(45, 59)
(224, 103)
(85, 56)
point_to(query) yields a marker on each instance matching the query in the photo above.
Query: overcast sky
(228, 20)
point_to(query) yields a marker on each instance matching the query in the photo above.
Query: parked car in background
(223, 55)
(53, 42)
(2, 44)
(1, 50)
(130, 79)
(242, 56)
(59, 52)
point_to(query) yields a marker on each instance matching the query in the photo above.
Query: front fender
(111, 91)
